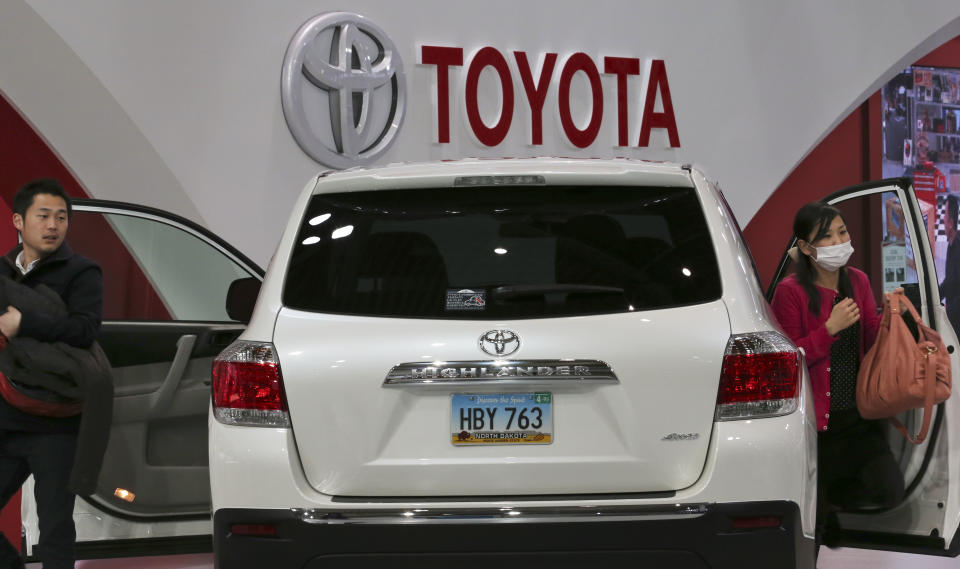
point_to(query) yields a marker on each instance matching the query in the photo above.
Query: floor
(864, 559)
(829, 559)
(196, 561)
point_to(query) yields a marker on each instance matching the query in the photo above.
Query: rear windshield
(504, 252)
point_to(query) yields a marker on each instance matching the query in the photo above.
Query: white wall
(176, 104)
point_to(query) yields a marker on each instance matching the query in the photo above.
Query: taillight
(248, 386)
(760, 377)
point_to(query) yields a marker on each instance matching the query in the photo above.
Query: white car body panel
(761, 459)
(357, 437)
(742, 291)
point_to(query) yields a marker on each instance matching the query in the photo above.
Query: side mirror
(241, 298)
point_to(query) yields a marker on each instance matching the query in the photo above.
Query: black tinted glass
(505, 252)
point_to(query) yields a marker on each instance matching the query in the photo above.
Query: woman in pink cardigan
(829, 311)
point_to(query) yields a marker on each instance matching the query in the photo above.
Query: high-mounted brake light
(760, 377)
(248, 386)
(525, 180)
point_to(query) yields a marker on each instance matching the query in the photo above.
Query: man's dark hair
(24, 196)
(953, 209)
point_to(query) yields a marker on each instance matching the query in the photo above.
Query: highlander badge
(501, 372)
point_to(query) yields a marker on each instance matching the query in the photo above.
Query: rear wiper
(518, 291)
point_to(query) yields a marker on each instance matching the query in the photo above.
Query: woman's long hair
(815, 219)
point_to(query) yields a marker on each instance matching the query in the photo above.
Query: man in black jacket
(31, 444)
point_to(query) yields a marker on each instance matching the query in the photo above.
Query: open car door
(900, 241)
(165, 318)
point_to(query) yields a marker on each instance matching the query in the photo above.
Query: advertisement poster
(897, 251)
(894, 265)
(921, 140)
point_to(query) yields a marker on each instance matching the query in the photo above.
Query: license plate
(502, 418)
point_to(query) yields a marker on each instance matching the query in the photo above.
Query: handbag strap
(904, 301)
(931, 387)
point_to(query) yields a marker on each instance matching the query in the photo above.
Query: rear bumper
(695, 536)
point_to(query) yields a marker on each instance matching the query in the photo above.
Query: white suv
(559, 363)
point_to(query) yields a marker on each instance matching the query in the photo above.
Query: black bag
(36, 400)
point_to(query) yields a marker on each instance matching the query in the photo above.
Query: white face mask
(834, 257)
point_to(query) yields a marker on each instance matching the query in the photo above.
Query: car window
(505, 252)
(152, 270)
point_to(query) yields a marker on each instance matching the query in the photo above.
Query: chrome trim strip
(505, 514)
(501, 373)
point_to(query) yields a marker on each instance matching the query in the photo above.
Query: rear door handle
(164, 394)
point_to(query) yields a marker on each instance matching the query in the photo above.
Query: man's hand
(10, 322)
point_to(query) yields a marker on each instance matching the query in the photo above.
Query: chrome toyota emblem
(343, 89)
(499, 342)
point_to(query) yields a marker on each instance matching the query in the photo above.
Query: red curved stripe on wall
(25, 156)
(849, 155)
(835, 163)
(947, 55)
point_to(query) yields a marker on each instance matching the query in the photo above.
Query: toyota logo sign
(499, 342)
(343, 89)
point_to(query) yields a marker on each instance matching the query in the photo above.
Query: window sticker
(466, 299)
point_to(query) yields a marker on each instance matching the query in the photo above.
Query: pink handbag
(899, 373)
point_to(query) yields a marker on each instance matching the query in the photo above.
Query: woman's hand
(845, 314)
